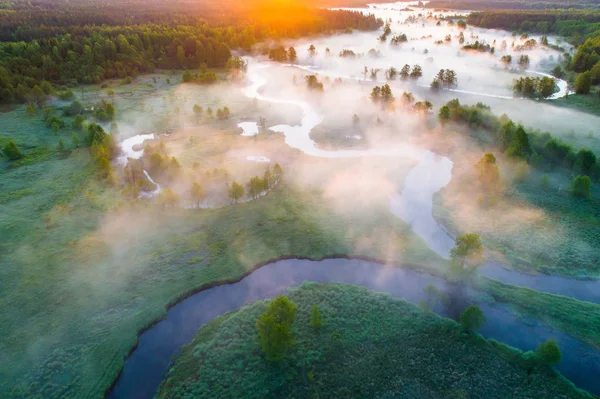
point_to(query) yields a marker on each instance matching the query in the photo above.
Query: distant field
(84, 268)
(370, 345)
(558, 233)
(583, 102)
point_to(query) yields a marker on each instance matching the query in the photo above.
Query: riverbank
(366, 348)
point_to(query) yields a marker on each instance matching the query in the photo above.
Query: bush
(580, 186)
(472, 318)
(549, 352)
(12, 152)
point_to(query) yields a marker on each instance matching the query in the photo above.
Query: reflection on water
(149, 362)
(414, 204)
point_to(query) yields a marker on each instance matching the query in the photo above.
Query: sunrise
(299, 199)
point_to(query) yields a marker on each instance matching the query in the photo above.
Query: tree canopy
(275, 328)
(472, 318)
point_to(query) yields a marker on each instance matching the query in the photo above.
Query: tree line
(89, 54)
(579, 27)
(541, 150)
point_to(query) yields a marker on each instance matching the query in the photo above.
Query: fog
(390, 160)
(312, 134)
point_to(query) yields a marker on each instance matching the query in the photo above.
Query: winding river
(146, 366)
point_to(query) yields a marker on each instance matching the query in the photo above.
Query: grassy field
(84, 268)
(589, 103)
(533, 227)
(577, 318)
(370, 345)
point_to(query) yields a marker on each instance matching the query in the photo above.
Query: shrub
(580, 186)
(12, 152)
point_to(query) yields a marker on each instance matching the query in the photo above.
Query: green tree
(268, 178)
(488, 173)
(31, 110)
(583, 83)
(405, 72)
(255, 186)
(316, 321)
(274, 328)
(313, 83)
(585, 161)
(168, 198)
(37, 95)
(77, 122)
(472, 318)
(75, 140)
(519, 145)
(524, 61)
(277, 171)
(444, 115)
(197, 194)
(467, 249)
(461, 24)
(580, 186)
(236, 191)
(12, 152)
(549, 352)
(110, 111)
(292, 55)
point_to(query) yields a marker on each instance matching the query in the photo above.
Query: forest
(513, 4)
(71, 52)
(348, 342)
(578, 27)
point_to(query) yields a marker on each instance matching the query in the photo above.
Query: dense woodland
(513, 4)
(55, 44)
(578, 27)
(541, 150)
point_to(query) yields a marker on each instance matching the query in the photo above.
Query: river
(148, 363)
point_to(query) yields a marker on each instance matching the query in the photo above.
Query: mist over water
(300, 116)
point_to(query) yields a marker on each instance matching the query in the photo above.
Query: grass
(371, 345)
(83, 271)
(559, 233)
(589, 103)
(577, 318)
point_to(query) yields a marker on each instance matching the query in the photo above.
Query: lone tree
(472, 318)
(236, 191)
(468, 249)
(316, 321)
(197, 193)
(549, 352)
(275, 328)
